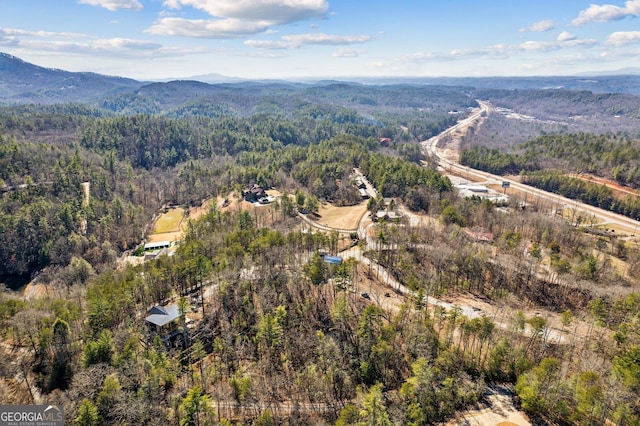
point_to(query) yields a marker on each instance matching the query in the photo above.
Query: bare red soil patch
(613, 185)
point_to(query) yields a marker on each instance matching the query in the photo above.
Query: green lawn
(169, 222)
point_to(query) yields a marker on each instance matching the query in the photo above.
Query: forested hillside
(410, 316)
(23, 82)
(137, 163)
(520, 116)
(283, 336)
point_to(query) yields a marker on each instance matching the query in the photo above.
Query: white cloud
(114, 5)
(268, 44)
(25, 33)
(421, 57)
(327, 39)
(299, 40)
(619, 54)
(593, 59)
(8, 40)
(237, 18)
(124, 44)
(566, 41)
(540, 27)
(207, 28)
(538, 46)
(499, 51)
(347, 53)
(276, 11)
(607, 12)
(565, 36)
(587, 43)
(75, 43)
(621, 38)
(115, 46)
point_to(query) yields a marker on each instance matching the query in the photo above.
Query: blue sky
(156, 39)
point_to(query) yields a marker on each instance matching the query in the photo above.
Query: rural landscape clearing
(299, 212)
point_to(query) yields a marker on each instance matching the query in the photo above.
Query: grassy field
(341, 217)
(169, 222)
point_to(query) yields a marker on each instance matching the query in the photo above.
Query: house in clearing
(387, 214)
(254, 193)
(163, 321)
(388, 211)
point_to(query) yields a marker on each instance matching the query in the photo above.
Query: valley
(323, 257)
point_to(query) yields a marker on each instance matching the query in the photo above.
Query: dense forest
(290, 342)
(134, 164)
(273, 334)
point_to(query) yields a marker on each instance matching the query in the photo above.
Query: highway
(430, 148)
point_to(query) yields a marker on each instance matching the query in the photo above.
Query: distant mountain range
(621, 71)
(629, 84)
(22, 82)
(212, 78)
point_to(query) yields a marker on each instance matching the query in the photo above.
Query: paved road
(430, 148)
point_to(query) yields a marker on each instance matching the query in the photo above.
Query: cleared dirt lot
(341, 217)
(498, 410)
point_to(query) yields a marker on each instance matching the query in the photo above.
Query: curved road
(430, 148)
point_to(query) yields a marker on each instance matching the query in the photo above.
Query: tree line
(544, 161)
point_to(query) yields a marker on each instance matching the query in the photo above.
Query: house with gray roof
(163, 321)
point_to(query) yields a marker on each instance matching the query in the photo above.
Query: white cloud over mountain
(75, 43)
